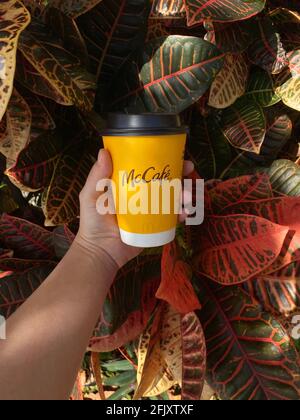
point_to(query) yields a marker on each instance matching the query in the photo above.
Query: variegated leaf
(35, 164)
(267, 50)
(174, 73)
(244, 125)
(169, 9)
(19, 117)
(13, 21)
(289, 82)
(231, 82)
(61, 69)
(261, 88)
(235, 248)
(61, 201)
(277, 292)
(222, 10)
(285, 177)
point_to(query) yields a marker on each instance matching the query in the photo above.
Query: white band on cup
(148, 240)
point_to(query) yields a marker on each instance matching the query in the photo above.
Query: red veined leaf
(193, 357)
(250, 356)
(278, 292)
(230, 83)
(172, 74)
(74, 8)
(285, 212)
(129, 304)
(230, 37)
(221, 10)
(17, 265)
(35, 164)
(267, 50)
(235, 248)
(113, 31)
(244, 125)
(26, 239)
(17, 287)
(176, 286)
(169, 9)
(237, 190)
(156, 29)
(288, 24)
(6, 253)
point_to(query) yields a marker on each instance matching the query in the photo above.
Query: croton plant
(216, 305)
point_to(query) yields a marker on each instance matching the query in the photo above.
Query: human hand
(100, 233)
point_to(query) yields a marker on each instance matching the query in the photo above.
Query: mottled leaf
(169, 9)
(250, 355)
(174, 73)
(278, 292)
(14, 19)
(285, 177)
(235, 248)
(231, 82)
(74, 8)
(244, 125)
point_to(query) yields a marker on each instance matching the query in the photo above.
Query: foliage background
(217, 304)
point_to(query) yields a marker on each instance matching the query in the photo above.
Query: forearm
(47, 337)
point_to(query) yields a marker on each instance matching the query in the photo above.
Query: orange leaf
(176, 287)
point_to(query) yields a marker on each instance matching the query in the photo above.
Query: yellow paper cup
(146, 149)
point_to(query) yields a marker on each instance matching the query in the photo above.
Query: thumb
(101, 170)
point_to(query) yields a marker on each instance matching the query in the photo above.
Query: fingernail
(100, 156)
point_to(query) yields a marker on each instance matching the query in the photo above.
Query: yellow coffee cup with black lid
(147, 151)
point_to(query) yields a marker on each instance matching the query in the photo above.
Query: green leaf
(267, 50)
(112, 32)
(7, 202)
(250, 355)
(26, 239)
(288, 82)
(209, 148)
(173, 73)
(61, 69)
(244, 125)
(129, 304)
(230, 83)
(17, 287)
(235, 248)
(230, 37)
(61, 201)
(285, 177)
(261, 88)
(35, 164)
(222, 10)
(14, 19)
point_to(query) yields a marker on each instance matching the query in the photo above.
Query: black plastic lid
(143, 125)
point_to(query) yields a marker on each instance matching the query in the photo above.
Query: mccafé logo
(149, 175)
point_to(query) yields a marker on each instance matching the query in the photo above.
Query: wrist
(96, 254)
